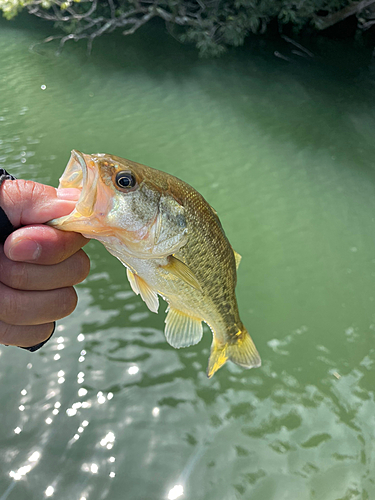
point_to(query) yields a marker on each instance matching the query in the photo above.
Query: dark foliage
(211, 25)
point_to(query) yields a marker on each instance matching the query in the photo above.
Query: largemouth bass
(172, 244)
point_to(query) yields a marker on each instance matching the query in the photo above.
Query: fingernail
(25, 250)
(71, 194)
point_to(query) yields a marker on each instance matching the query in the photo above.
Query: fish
(172, 244)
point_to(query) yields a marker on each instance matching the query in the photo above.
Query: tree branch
(323, 23)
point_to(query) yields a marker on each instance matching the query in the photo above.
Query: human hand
(38, 264)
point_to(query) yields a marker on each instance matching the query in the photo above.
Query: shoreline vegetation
(212, 26)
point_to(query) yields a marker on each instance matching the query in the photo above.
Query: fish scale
(172, 244)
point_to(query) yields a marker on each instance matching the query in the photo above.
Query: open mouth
(74, 171)
(82, 173)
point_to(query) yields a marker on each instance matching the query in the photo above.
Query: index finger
(28, 202)
(42, 244)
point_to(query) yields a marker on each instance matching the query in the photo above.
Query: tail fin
(241, 350)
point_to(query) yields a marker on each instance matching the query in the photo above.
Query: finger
(24, 336)
(42, 244)
(25, 276)
(20, 307)
(28, 202)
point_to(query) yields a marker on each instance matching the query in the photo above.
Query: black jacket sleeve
(5, 226)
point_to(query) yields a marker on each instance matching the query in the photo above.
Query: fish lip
(79, 158)
(81, 173)
(73, 173)
(79, 161)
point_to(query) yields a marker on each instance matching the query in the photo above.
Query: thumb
(28, 202)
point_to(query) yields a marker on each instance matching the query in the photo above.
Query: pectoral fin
(182, 330)
(140, 287)
(182, 271)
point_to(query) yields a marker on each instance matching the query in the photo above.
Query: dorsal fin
(237, 258)
(214, 211)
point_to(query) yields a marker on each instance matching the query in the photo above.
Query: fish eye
(125, 180)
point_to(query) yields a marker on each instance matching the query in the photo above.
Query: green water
(284, 150)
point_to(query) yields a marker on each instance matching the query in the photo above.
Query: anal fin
(182, 330)
(140, 287)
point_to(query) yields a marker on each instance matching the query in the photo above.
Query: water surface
(283, 149)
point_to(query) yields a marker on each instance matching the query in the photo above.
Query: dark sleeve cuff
(34, 348)
(6, 227)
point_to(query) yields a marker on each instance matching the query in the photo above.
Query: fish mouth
(82, 173)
